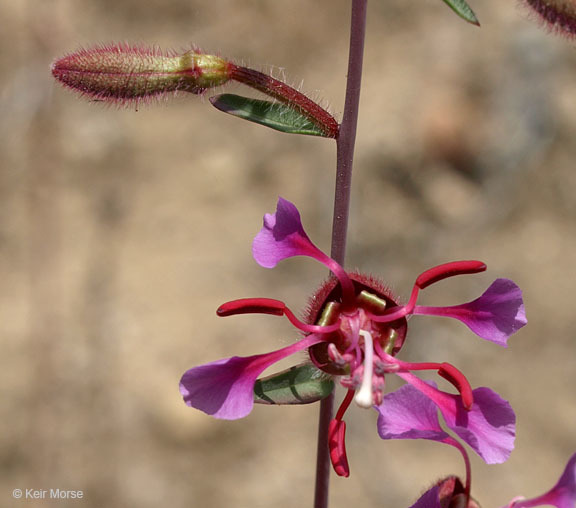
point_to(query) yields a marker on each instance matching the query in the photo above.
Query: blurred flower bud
(558, 15)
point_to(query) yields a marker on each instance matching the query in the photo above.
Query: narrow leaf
(301, 384)
(277, 116)
(463, 10)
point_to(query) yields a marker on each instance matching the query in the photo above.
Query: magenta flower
(354, 329)
(562, 495)
(449, 492)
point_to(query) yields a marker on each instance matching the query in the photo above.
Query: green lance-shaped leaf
(301, 384)
(463, 10)
(277, 116)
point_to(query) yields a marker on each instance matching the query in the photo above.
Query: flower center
(354, 351)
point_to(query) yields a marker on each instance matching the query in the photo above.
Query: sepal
(274, 115)
(301, 384)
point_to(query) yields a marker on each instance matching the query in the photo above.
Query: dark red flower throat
(372, 297)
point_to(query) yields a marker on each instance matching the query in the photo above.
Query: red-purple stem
(345, 156)
(286, 94)
(347, 135)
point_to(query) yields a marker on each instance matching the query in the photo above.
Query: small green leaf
(463, 10)
(270, 114)
(301, 384)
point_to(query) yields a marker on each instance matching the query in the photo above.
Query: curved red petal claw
(446, 270)
(252, 306)
(337, 447)
(454, 376)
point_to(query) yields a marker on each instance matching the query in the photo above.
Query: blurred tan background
(121, 232)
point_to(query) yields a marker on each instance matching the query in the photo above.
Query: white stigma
(364, 396)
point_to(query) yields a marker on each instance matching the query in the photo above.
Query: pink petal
(496, 315)
(430, 499)
(562, 495)
(409, 414)
(282, 237)
(488, 427)
(224, 389)
(447, 492)
(564, 492)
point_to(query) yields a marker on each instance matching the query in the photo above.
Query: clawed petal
(564, 492)
(408, 414)
(562, 495)
(496, 315)
(447, 493)
(488, 427)
(282, 236)
(430, 499)
(224, 389)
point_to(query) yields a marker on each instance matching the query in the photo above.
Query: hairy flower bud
(559, 15)
(122, 73)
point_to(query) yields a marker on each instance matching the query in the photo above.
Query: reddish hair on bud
(125, 74)
(558, 15)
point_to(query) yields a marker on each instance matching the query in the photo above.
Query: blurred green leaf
(301, 384)
(277, 116)
(463, 10)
